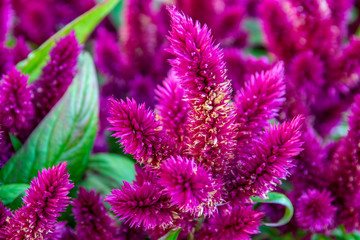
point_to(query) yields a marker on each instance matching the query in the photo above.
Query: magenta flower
(269, 162)
(16, 108)
(257, 102)
(6, 148)
(93, 221)
(315, 210)
(190, 186)
(5, 17)
(5, 215)
(172, 108)
(142, 206)
(237, 223)
(56, 76)
(46, 198)
(200, 67)
(139, 132)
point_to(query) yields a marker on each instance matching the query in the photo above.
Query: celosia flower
(5, 16)
(5, 60)
(93, 221)
(258, 102)
(190, 186)
(20, 51)
(125, 232)
(315, 210)
(16, 108)
(57, 75)
(237, 223)
(172, 108)
(44, 200)
(139, 132)
(201, 70)
(6, 148)
(344, 176)
(269, 162)
(5, 215)
(142, 206)
(108, 57)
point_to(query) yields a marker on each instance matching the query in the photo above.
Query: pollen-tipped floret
(315, 210)
(268, 162)
(139, 132)
(57, 75)
(190, 186)
(16, 108)
(144, 206)
(200, 67)
(93, 221)
(46, 198)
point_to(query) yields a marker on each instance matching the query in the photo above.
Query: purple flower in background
(56, 76)
(142, 206)
(16, 108)
(172, 108)
(5, 17)
(190, 186)
(20, 51)
(93, 221)
(315, 210)
(45, 199)
(231, 222)
(139, 132)
(125, 232)
(6, 148)
(201, 70)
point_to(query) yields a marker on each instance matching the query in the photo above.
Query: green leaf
(171, 235)
(15, 142)
(67, 133)
(83, 27)
(253, 27)
(9, 192)
(108, 171)
(278, 198)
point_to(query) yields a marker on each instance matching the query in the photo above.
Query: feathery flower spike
(139, 132)
(200, 67)
(16, 108)
(142, 206)
(269, 162)
(44, 200)
(172, 108)
(190, 186)
(57, 75)
(258, 102)
(93, 221)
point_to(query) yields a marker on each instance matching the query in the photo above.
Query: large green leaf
(66, 134)
(83, 27)
(278, 198)
(108, 171)
(9, 192)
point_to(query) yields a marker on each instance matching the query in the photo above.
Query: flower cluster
(203, 155)
(23, 105)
